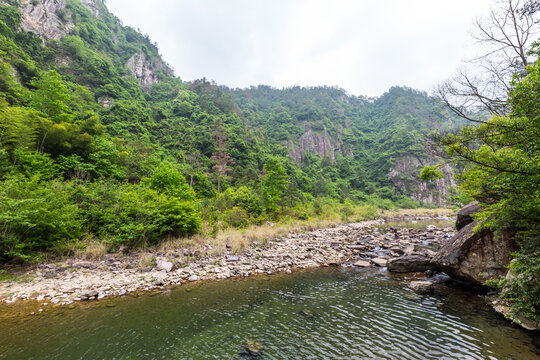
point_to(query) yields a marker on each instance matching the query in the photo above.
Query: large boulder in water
(411, 263)
(464, 216)
(474, 257)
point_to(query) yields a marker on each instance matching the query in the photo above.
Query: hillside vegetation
(99, 141)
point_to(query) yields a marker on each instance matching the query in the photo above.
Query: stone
(474, 258)
(464, 216)
(409, 249)
(410, 263)
(379, 261)
(193, 278)
(163, 265)
(333, 261)
(502, 308)
(362, 263)
(233, 258)
(421, 287)
(50, 274)
(90, 294)
(85, 264)
(253, 348)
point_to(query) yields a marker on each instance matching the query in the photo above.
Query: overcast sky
(362, 46)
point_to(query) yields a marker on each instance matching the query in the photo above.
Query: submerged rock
(253, 348)
(306, 313)
(422, 286)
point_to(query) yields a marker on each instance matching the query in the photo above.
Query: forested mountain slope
(97, 133)
(384, 141)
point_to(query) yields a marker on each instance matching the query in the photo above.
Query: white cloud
(362, 46)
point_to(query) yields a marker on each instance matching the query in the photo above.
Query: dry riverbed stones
(362, 245)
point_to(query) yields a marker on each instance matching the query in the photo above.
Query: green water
(319, 314)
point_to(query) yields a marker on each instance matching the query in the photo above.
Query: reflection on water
(320, 314)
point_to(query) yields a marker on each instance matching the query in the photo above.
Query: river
(325, 313)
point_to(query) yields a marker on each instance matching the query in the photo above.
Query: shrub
(35, 216)
(135, 215)
(236, 217)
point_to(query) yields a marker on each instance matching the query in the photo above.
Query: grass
(237, 240)
(417, 212)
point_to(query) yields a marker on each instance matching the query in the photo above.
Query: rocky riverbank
(363, 244)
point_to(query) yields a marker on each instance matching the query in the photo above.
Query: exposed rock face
(320, 143)
(41, 18)
(404, 177)
(464, 217)
(145, 71)
(475, 257)
(95, 6)
(105, 101)
(413, 263)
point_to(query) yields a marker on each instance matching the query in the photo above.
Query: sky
(364, 47)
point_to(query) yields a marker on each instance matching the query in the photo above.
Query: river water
(316, 314)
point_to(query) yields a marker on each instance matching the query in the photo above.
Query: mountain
(388, 139)
(90, 112)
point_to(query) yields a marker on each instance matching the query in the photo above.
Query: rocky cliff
(41, 17)
(320, 143)
(52, 20)
(404, 177)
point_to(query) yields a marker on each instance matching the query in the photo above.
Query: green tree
(274, 184)
(503, 174)
(51, 97)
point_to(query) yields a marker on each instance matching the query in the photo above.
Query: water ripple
(321, 314)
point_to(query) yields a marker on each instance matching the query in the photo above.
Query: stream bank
(363, 244)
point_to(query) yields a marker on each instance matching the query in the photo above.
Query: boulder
(379, 261)
(421, 287)
(362, 263)
(163, 265)
(50, 274)
(464, 217)
(475, 257)
(410, 263)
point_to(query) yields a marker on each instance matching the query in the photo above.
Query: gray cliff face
(404, 177)
(145, 71)
(320, 143)
(41, 17)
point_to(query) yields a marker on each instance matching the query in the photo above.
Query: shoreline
(361, 243)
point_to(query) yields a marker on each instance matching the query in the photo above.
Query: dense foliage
(503, 174)
(87, 152)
